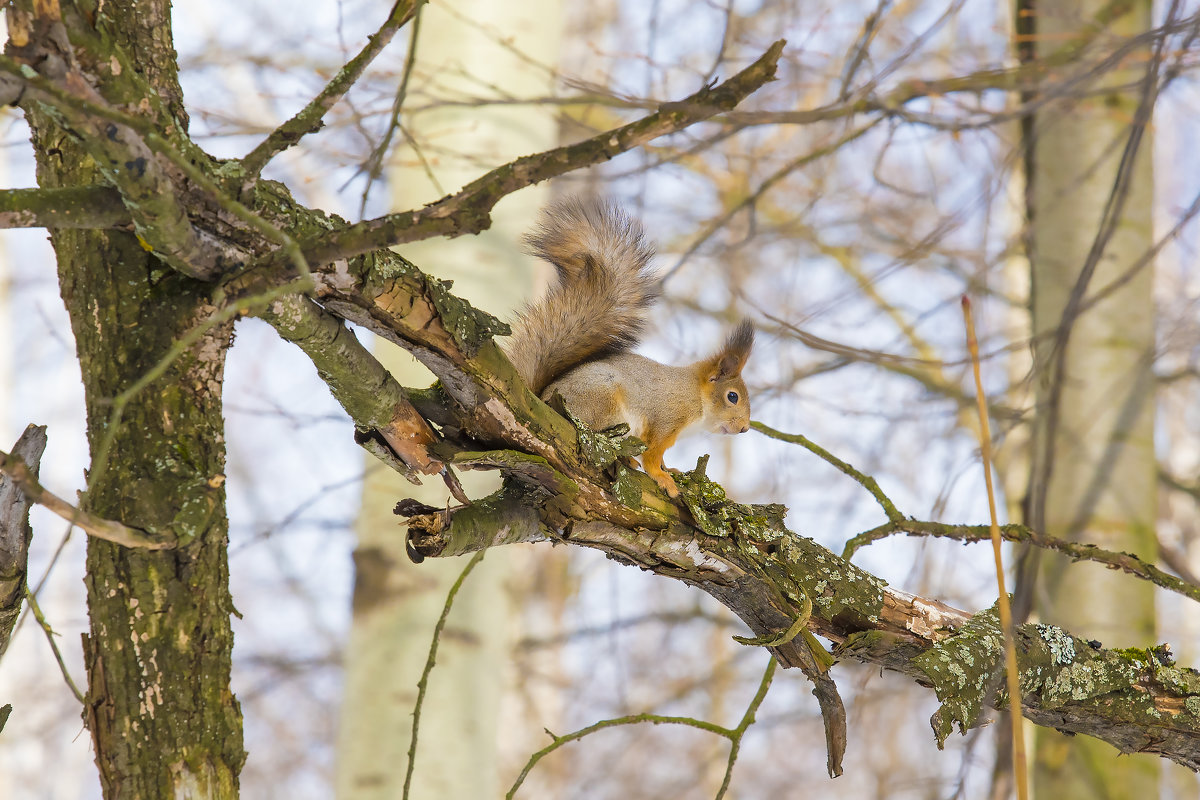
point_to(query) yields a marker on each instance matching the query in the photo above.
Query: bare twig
(735, 739)
(734, 735)
(423, 683)
(1020, 534)
(50, 634)
(374, 163)
(771, 180)
(106, 529)
(867, 482)
(312, 117)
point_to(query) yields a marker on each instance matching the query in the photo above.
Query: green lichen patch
(697, 486)
(962, 669)
(708, 503)
(600, 449)
(469, 327)
(800, 567)
(627, 488)
(764, 523)
(195, 514)
(1184, 681)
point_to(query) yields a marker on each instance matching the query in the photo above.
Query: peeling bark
(15, 532)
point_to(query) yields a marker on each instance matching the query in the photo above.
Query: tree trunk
(163, 719)
(1093, 477)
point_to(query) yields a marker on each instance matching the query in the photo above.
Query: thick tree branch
(368, 392)
(742, 555)
(66, 207)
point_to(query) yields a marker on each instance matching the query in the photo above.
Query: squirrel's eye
(732, 397)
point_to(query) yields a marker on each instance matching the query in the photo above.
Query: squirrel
(576, 340)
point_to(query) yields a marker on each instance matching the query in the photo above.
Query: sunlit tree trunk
(163, 720)
(465, 51)
(1094, 474)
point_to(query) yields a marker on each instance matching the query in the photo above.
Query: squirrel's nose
(745, 427)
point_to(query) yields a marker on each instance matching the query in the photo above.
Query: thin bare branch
(423, 683)
(1079, 551)
(469, 211)
(109, 530)
(311, 118)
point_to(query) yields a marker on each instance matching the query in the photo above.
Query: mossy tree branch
(1136, 700)
(368, 392)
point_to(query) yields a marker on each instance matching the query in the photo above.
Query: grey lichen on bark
(1152, 704)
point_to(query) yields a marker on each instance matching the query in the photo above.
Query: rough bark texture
(1094, 469)
(159, 707)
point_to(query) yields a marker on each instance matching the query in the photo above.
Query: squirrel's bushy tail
(598, 306)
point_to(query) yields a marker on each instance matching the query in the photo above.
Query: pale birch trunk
(1094, 473)
(467, 49)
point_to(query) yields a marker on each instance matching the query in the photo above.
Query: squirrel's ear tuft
(736, 350)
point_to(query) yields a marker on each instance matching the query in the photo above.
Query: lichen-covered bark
(1149, 704)
(1137, 701)
(159, 707)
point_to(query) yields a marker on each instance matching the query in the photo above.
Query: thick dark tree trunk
(163, 718)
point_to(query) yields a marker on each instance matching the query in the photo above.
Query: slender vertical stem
(1020, 776)
(424, 682)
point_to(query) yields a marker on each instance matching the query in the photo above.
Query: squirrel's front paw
(667, 483)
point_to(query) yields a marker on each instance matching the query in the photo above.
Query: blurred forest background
(844, 208)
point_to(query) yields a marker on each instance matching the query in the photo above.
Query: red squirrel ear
(733, 355)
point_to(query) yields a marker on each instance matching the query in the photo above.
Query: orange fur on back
(599, 305)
